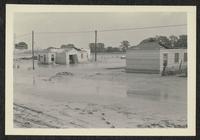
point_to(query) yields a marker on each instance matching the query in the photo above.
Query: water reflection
(156, 94)
(34, 80)
(98, 79)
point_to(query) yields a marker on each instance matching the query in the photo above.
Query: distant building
(21, 46)
(71, 55)
(46, 57)
(152, 57)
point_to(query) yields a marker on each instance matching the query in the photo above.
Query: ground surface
(97, 95)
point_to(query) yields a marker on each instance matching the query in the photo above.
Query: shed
(150, 57)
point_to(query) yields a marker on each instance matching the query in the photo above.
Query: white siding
(143, 60)
(71, 52)
(61, 58)
(172, 65)
(42, 59)
(49, 58)
(84, 57)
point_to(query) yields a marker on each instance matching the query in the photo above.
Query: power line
(106, 30)
(64, 32)
(140, 28)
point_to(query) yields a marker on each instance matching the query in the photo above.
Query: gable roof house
(69, 55)
(153, 57)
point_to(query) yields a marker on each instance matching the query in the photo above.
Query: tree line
(21, 46)
(124, 45)
(169, 42)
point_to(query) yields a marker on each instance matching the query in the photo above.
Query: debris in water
(60, 75)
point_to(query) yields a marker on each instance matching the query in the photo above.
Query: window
(165, 59)
(81, 55)
(38, 57)
(185, 57)
(176, 57)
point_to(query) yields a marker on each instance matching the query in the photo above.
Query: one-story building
(46, 57)
(71, 55)
(152, 57)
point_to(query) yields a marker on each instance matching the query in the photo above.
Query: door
(73, 59)
(44, 58)
(165, 59)
(52, 58)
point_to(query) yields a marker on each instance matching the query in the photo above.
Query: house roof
(44, 51)
(70, 48)
(149, 46)
(49, 50)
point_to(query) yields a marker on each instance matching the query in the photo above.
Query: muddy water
(123, 100)
(105, 78)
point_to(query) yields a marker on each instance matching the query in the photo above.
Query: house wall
(171, 64)
(71, 52)
(61, 58)
(42, 59)
(88, 53)
(84, 58)
(143, 61)
(56, 50)
(49, 58)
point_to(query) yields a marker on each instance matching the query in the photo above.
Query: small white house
(69, 55)
(150, 57)
(46, 57)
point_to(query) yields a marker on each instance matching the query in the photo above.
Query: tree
(109, 49)
(164, 41)
(99, 48)
(115, 49)
(21, 46)
(92, 47)
(49, 48)
(173, 41)
(67, 46)
(124, 45)
(150, 39)
(182, 41)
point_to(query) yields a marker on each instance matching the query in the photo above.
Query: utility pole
(33, 49)
(95, 45)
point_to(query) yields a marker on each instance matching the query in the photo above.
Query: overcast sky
(60, 22)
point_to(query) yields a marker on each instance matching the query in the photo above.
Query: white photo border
(191, 82)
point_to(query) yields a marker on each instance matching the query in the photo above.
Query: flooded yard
(96, 95)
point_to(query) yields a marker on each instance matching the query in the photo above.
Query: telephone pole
(95, 45)
(33, 49)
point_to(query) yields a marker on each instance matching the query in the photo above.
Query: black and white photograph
(103, 69)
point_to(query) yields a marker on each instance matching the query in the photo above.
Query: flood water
(100, 93)
(104, 78)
